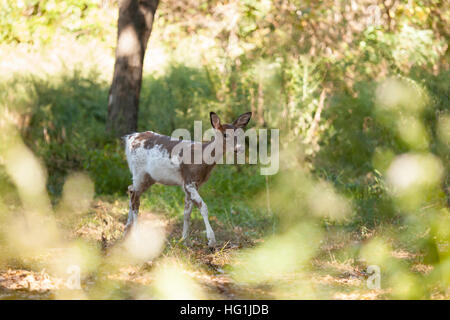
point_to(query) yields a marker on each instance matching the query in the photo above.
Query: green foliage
(65, 126)
(37, 22)
(360, 93)
(176, 99)
(256, 63)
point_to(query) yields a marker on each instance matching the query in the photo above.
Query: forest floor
(328, 277)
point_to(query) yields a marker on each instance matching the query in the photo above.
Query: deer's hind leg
(188, 204)
(140, 184)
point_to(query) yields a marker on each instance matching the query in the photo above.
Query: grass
(332, 273)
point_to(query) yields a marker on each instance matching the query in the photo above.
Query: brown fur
(193, 175)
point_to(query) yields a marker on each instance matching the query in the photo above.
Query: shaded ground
(103, 226)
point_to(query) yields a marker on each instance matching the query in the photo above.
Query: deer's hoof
(212, 243)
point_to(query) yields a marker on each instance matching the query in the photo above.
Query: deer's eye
(225, 135)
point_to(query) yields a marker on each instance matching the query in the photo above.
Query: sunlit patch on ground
(23, 284)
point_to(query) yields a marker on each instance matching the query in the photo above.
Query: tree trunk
(134, 28)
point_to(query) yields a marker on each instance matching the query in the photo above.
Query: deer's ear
(215, 121)
(242, 120)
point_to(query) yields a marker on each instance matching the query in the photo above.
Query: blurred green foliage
(38, 22)
(313, 69)
(275, 58)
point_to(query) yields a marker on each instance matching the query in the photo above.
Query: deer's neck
(212, 151)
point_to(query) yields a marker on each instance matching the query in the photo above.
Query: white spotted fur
(155, 162)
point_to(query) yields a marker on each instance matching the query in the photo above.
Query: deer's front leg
(198, 201)
(187, 215)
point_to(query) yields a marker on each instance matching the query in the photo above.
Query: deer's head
(228, 133)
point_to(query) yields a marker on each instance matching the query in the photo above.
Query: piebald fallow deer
(149, 159)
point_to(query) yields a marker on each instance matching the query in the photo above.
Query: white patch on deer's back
(155, 162)
(160, 167)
